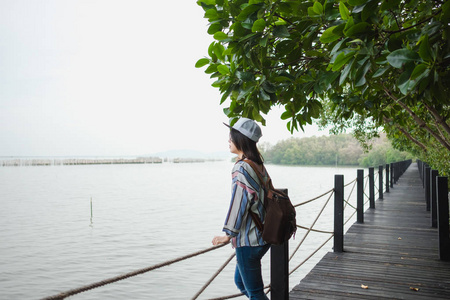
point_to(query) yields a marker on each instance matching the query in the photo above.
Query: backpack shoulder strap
(255, 218)
(258, 173)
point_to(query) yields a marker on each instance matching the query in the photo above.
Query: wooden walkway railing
(395, 253)
(388, 249)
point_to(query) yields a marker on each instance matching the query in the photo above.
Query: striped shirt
(246, 193)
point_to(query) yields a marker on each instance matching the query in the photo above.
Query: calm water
(142, 215)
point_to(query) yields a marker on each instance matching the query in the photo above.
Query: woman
(247, 194)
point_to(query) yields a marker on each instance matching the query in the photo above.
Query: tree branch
(418, 120)
(412, 26)
(409, 136)
(439, 119)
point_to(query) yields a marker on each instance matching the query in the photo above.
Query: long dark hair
(247, 146)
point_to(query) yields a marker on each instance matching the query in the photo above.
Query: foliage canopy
(342, 149)
(363, 64)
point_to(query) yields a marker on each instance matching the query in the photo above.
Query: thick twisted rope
(312, 226)
(213, 277)
(315, 198)
(127, 275)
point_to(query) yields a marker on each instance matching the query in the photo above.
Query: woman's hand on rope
(217, 240)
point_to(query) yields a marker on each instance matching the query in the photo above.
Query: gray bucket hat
(247, 127)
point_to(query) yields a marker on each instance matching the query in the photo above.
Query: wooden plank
(393, 251)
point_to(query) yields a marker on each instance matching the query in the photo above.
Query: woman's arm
(221, 240)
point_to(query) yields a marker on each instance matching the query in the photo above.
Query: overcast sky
(109, 78)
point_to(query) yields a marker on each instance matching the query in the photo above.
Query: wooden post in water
(443, 215)
(427, 187)
(338, 213)
(387, 178)
(279, 270)
(360, 196)
(433, 199)
(380, 182)
(371, 187)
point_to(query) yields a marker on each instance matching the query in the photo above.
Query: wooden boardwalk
(393, 255)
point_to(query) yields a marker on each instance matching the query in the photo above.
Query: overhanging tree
(360, 63)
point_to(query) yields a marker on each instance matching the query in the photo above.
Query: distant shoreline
(17, 162)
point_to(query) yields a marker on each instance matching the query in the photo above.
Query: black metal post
(387, 178)
(371, 188)
(279, 270)
(380, 182)
(391, 179)
(338, 213)
(433, 199)
(427, 187)
(443, 215)
(360, 196)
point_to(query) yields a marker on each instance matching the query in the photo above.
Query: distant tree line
(343, 150)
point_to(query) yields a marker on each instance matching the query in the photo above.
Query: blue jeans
(248, 277)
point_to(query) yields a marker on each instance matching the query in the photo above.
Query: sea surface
(52, 239)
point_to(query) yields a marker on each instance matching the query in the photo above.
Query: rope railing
(315, 198)
(347, 201)
(310, 229)
(213, 277)
(130, 274)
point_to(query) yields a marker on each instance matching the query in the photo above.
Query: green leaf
(207, 2)
(223, 69)
(343, 10)
(389, 4)
(311, 12)
(259, 25)
(239, 30)
(356, 2)
(281, 32)
(211, 14)
(328, 79)
(358, 28)
(369, 9)
(269, 87)
(346, 71)
(349, 23)
(445, 16)
(342, 59)
(315, 107)
(286, 115)
(418, 70)
(218, 51)
(402, 56)
(330, 35)
(215, 27)
(247, 11)
(220, 36)
(263, 95)
(285, 47)
(318, 8)
(336, 47)
(245, 76)
(425, 50)
(380, 72)
(263, 41)
(360, 78)
(201, 62)
(403, 82)
(217, 83)
(211, 69)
